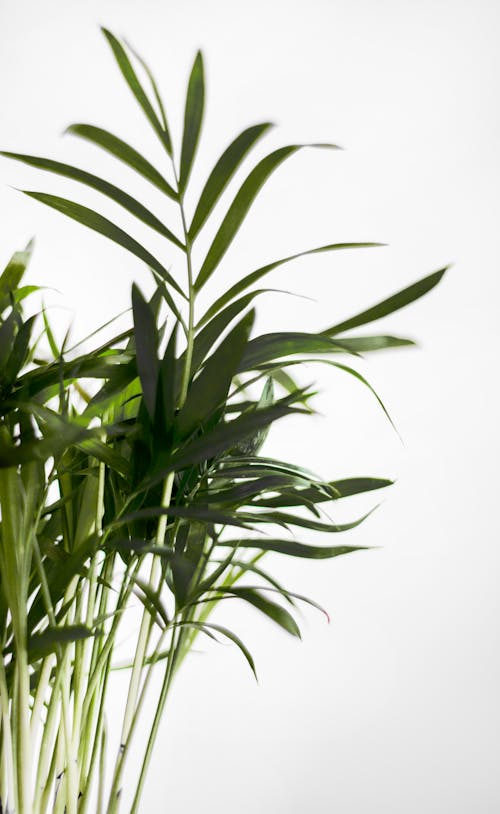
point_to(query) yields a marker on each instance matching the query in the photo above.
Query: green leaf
(103, 226)
(340, 489)
(251, 278)
(391, 304)
(365, 344)
(135, 86)
(19, 351)
(209, 390)
(270, 346)
(193, 117)
(239, 208)
(13, 274)
(222, 173)
(206, 627)
(292, 548)
(286, 519)
(272, 610)
(119, 196)
(146, 343)
(125, 153)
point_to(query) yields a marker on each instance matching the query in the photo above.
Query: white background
(393, 707)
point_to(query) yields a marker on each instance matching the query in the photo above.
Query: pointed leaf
(193, 116)
(271, 346)
(222, 173)
(251, 278)
(103, 226)
(119, 196)
(273, 611)
(391, 304)
(13, 274)
(135, 86)
(292, 548)
(239, 208)
(146, 343)
(209, 390)
(123, 152)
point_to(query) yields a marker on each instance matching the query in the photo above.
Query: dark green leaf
(135, 86)
(391, 304)
(239, 208)
(222, 173)
(209, 390)
(206, 627)
(123, 152)
(12, 275)
(146, 343)
(193, 116)
(104, 227)
(119, 196)
(292, 548)
(275, 612)
(271, 346)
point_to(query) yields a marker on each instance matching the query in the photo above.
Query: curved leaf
(110, 190)
(239, 208)
(251, 278)
(98, 223)
(292, 548)
(270, 609)
(270, 346)
(125, 153)
(222, 173)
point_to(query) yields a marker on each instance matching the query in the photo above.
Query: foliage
(134, 471)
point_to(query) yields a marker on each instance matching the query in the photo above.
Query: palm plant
(134, 471)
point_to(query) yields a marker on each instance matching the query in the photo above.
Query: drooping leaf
(209, 626)
(270, 609)
(222, 173)
(239, 208)
(223, 437)
(103, 226)
(193, 116)
(123, 152)
(135, 86)
(389, 305)
(110, 190)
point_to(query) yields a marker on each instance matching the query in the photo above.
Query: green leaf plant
(132, 475)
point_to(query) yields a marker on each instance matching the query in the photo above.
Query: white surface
(394, 706)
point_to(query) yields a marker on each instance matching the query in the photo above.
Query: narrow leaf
(103, 226)
(251, 278)
(135, 86)
(292, 548)
(239, 208)
(123, 152)
(193, 116)
(222, 173)
(391, 304)
(146, 342)
(119, 196)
